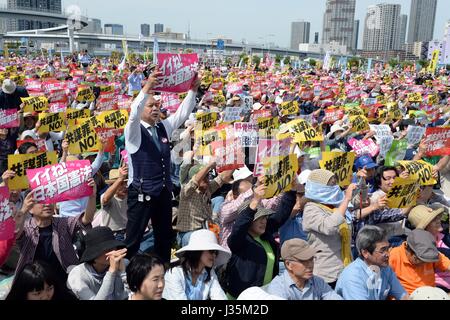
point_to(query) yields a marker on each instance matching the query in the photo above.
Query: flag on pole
(327, 61)
(125, 48)
(122, 64)
(62, 59)
(155, 50)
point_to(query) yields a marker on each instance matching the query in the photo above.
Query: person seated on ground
(416, 261)
(369, 277)
(37, 281)
(195, 210)
(194, 278)
(430, 219)
(99, 276)
(145, 277)
(327, 219)
(298, 281)
(255, 257)
(49, 238)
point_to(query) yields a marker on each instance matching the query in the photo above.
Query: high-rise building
(159, 27)
(145, 30)
(355, 34)
(94, 26)
(300, 31)
(382, 28)
(338, 22)
(421, 20)
(403, 28)
(316, 38)
(114, 29)
(53, 6)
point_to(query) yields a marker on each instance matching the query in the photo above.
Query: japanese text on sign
(341, 164)
(35, 104)
(279, 173)
(51, 122)
(403, 193)
(419, 170)
(82, 138)
(178, 71)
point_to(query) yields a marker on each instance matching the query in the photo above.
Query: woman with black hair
(145, 277)
(195, 278)
(37, 281)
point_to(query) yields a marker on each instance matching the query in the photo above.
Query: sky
(256, 21)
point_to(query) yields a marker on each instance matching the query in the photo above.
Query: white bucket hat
(204, 240)
(242, 173)
(9, 86)
(429, 293)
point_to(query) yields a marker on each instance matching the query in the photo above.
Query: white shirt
(133, 127)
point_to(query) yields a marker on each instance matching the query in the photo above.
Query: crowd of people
(355, 205)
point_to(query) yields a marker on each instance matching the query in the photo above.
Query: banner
(9, 118)
(232, 114)
(35, 104)
(73, 114)
(438, 141)
(341, 164)
(7, 223)
(61, 182)
(116, 119)
(403, 193)
(362, 147)
(288, 108)
(85, 94)
(19, 163)
(420, 171)
(415, 134)
(82, 138)
(396, 152)
(52, 122)
(229, 155)
(270, 148)
(279, 174)
(247, 133)
(302, 131)
(178, 71)
(206, 121)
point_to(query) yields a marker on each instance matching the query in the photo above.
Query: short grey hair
(368, 237)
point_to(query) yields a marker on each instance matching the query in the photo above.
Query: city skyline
(249, 20)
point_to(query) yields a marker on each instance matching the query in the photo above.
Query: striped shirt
(64, 230)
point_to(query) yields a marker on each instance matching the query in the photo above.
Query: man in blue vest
(150, 187)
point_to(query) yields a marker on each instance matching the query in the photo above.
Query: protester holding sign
(11, 94)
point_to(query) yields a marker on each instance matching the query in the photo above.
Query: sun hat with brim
(194, 170)
(420, 216)
(242, 173)
(320, 176)
(297, 249)
(89, 154)
(260, 210)
(205, 240)
(9, 86)
(429, 293)
(113, 176)
(98, 241)
(423, 244)
(257, 293)
(335, 128)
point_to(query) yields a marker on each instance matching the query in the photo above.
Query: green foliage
(278, 58)
(393, 62)
(312, 62)
(287, 60)
(256, 60)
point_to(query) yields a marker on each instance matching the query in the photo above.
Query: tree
(278, 58)
(256, 60)
(312, 62)
(353, 62)
(423, 63)
(287, 60)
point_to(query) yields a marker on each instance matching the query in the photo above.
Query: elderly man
(11, 94)
(298, 282)
(369, 277)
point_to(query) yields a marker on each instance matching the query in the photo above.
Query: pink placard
(270, 148)
(362, 147)
(124, 155)
(7, 224)
(171, 102)
(61, 182)
(9, 119)
(178, 71)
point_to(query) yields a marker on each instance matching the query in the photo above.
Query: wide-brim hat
(113, 176)
(205, 240)
(420, 216)
(9, 86)
(98, 241)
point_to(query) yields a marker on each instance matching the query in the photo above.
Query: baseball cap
(365, 161)
(422, 243)
(297, 249)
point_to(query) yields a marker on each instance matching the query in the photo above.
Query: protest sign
(72, 115)
(279, 174)
(207, 120)
(268, 125)
(247, 133)
(415, 134)
(52, 122)
(396, 152)
(9, 118)
(82, 138)
(170, 101)
(61, 182)
(414, 97)
(384, 138)
(232, 114)
(403, 193)
(247, 104)
(332, 115)
(420, 171)
(116, 119)
(341, 164)
(270, 148)
(109, 135)
(21, 162)
(302, 131)
(40, 143)
(7, 224)
(438, 141)
(204, 138)
(229, 155)
(124, 155)
(260, 114)
(362, 147)
(106, 104)
(35, 104)
(288, 108)
(359, 123)
(85, 94)
(178, 71)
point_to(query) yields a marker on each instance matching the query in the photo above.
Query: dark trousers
(159, 209)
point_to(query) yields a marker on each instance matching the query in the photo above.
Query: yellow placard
(107, 89)
(354, 111)
(35, 104)
(203, 140)
(359, 123)
(206, 121)
(19, 163)
(85, 94)
(415, 97)
(52, 122)
(279, 173)
(302, 131)
(420, 171)
(266, 126)
(116, 119)
(82, 138)
(433, 99)
(403, 193)
(434, 61)
(74, 115)
(289, 108)
(341, 164)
